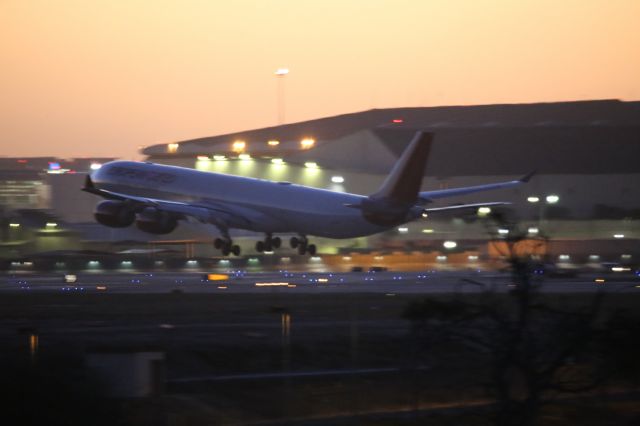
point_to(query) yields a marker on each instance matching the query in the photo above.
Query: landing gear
(303, 246)
(268, 244)
(226, 246)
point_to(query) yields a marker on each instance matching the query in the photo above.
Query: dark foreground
(277, 358)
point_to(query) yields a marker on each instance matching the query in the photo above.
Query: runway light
(533, 199)
(14, 225)
(425, 215)
(311, 165)
(427, 231)
(403, 230)
(277, 161)
(238, 146)
(273, 142)
(618, 236)
(483, 211)
(272, 284)
(51, 225)
(172, 148)
(337, 179)
(620, 269)
(450, 245)
(307, 143)
(600, 280)
(220, 158)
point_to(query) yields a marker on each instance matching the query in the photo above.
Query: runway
(240, 281)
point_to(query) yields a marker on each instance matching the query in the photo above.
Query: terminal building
(585, 196)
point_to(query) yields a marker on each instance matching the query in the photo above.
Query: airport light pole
(280, 75)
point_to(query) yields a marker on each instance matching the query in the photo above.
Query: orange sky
(104, 77)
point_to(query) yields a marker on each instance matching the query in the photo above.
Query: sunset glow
(103, 78)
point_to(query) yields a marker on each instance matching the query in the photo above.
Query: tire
(260, 246)
(294, 242)
(276, 242)
(218, 243)
(235, 249)
(312, 249)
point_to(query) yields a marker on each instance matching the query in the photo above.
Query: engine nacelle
(156, 221)
(113, 214)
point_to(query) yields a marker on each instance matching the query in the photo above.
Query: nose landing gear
(303, 246)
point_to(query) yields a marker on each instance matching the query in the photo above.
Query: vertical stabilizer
(403, 183)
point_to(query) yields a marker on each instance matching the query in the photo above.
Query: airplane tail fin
(402, 186)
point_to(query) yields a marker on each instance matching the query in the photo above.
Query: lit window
(618, 236)
(533, 199)
(95, 166)
(503, 231)
(307, 143)
(273, 142)
(172, 148)
(403, 230)
(427, 231)
(533, 231)
(51, 224)
(337, 179)
(238, 146)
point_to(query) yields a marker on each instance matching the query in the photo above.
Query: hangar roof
(601, 136)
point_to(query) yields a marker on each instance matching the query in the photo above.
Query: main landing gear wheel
(303, 246)
(226, 246)
(268, 244)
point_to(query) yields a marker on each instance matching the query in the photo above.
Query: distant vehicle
(156, 197)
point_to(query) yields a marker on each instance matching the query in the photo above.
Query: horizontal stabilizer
(428, 196)
(457, 207)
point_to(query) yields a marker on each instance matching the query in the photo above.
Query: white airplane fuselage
(261, 205)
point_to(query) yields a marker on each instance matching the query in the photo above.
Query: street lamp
(280, 75)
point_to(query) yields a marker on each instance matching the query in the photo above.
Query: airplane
(156, 197)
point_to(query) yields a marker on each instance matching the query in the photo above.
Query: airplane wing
(205, 213)
(428, 196)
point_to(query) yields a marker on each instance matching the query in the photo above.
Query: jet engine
(156, 221)
(113, 214)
